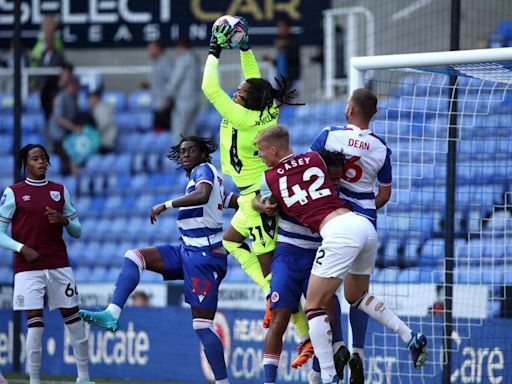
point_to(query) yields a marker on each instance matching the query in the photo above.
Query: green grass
(13, 378)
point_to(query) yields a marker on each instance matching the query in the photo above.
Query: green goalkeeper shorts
(259, 227)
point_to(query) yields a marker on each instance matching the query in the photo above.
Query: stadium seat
(139, 101)
(115, 98)
(126, 122)
(33, 103)
(409, 275)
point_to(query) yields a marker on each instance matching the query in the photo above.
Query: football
(239, 33)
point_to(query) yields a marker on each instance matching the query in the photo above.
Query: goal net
(445, 260)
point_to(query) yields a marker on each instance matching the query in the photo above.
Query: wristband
(18, 249)
(168, 204)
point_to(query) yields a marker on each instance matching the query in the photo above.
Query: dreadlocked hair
(261, 94)
(206, 145)
(333, 159)
(22, 155)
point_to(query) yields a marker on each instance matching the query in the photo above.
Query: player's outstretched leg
(127, 281)
(416, 342)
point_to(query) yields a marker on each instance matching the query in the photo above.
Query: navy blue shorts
(201, 269)
(291, 268)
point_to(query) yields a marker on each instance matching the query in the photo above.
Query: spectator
(287, 61)
(184, 91)
(159, 77)
(103, 116)
(140, 299)
(48, 52)
(62, 121)
(66, 74)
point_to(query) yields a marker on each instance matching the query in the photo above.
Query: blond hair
(277, 134)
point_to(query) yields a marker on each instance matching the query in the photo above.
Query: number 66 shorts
(31, 286)
(349, 244)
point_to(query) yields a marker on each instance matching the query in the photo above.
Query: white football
(239, 33)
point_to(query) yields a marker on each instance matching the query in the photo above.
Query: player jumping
(368, 160)
(253, 107)
(200, 261)
(302, 186)
(38, 209)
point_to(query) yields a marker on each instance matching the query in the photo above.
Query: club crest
(55, 195)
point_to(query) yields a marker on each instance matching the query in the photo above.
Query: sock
(359, 351)
(301, 324)
(270, 365)
(34, 348)
(80, 343)
(337, 332)
(223, 381)
(212, 345)
(375, 307)
(129, 278)
(321, 336)
(248, 261)
(359, 323)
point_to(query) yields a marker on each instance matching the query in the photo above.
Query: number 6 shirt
(368, 158)
(302, 188)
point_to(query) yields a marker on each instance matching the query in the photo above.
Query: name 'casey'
(292, 164)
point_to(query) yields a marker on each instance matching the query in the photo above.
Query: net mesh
(413, 118)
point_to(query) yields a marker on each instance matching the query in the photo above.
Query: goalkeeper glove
(215, 49)
(222, 34)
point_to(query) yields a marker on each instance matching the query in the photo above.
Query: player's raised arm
(248, 61)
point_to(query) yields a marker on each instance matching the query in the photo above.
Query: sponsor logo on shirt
(55, 195)
(26, 198)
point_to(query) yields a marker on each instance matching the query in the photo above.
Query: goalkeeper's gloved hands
(223, 33)
(215, 49)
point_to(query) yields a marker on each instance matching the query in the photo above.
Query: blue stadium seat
(33, 103)
(82, 274)
(139, 101)
(409, 275)
(126, 122)
(6, 101)
(115, 98)
(388, 275)
(7, 167)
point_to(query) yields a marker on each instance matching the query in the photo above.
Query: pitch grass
(15, 378)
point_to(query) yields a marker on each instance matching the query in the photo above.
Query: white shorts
(31, 286)
(349, 244)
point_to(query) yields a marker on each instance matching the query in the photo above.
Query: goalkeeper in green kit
(254, 107)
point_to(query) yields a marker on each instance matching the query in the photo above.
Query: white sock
(80, 343)
(337, 345)
(223, 381)
(359, 351)
(34, 351)
(321, 336)
(376, 309)
(115, 310)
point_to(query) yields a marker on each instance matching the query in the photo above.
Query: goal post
(445, 256)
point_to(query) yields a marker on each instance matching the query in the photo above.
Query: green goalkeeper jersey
(239, 126)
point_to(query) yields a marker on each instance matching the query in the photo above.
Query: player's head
(273, 144)
(361, 106)
(259, 95)
(335, 162)
(155, 49)
(34, 159)
(192, 151)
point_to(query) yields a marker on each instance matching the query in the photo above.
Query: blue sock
(126, 283)
(316, 365)
(337, 332)
(359, 323)
(212, 345)
(270, 365)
